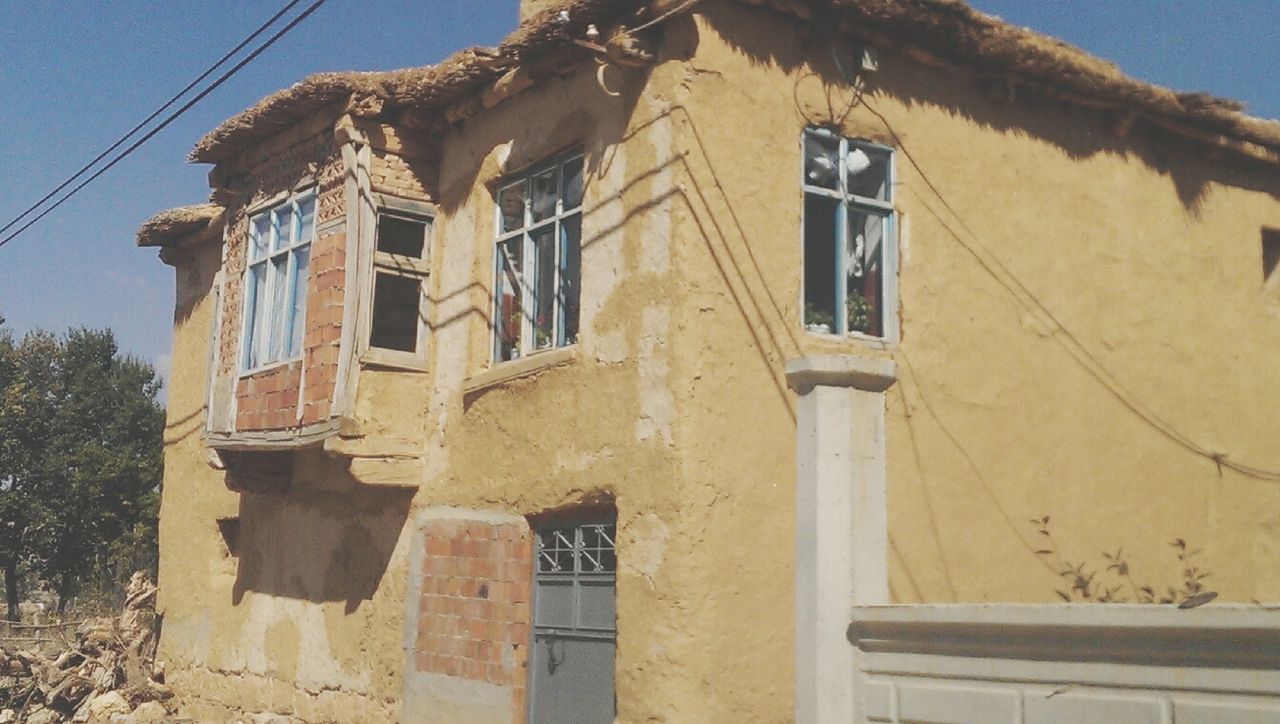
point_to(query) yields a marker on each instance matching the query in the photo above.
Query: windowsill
(865, 340)
(393, 360)
(270, 366)
(523, 367)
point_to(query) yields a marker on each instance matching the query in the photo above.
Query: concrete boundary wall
(1066, 663)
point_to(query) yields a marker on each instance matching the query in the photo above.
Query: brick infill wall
(473, 620)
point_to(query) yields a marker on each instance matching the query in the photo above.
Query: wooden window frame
(406, 267)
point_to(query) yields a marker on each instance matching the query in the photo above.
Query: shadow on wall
(990, 103)
(319, 546)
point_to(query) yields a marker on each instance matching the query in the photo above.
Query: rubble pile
(108, 670)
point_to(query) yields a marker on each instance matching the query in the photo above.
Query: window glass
(868, 172)
(281, 228)
(546, 191)
(819, 261)
(570, 276)
(254, 308)
(395, 312)
(511, 206)
(821, 160)
(260, 237)
(864, 249)
(544, 289)
(278, 269)
(305, 224)
(398, 235)
(298, 309)
(509, 317)
(573, 184)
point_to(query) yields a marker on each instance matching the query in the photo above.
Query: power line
(150, 118)
(170, 119)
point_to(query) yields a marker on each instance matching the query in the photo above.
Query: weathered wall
(1146, 251)
(597, 420)
(306, 619)
(673, 404)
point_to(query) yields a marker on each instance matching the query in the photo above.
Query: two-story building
(600, 372)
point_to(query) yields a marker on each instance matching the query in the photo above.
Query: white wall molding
(1053, 663)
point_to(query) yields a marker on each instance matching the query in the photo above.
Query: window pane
(395, 312)
(254, 309)
(260, 236)
(507, 312)
(398, 235)
(306, 219)
(544, 288)
(298, 308)
(279, 268)
(821, 161)
(572, 184)
(864, 255)
(868, 170)
(546, 190)
(281, 227)
(570, 277)
(819, 262)
(511, 204)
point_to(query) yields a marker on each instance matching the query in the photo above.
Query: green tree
(102, 463)
(80, 460)
(26, 411)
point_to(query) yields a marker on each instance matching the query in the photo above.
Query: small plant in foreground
(1114, 582)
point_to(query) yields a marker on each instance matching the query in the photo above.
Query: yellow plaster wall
(1145, 250)
(307, 620)
(605, 421)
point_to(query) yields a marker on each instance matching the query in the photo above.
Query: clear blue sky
(75, 76)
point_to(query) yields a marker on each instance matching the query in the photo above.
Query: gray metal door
(574, 625)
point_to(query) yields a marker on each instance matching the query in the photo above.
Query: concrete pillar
(841, 521)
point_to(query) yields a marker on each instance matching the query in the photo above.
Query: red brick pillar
(474, 611)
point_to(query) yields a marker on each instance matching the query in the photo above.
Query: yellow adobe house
(722, 361)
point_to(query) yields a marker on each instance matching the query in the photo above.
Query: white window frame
(261, 330)
(528, 344)
(848, 200)
(404, 266)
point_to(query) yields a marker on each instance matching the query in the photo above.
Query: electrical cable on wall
(1030, 302)
(168, 120)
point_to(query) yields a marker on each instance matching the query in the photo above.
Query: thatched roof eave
(174, 226)
(948, 30)
(426, 88)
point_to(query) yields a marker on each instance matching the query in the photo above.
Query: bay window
(276, 281)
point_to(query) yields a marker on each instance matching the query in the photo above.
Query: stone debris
(108, 673)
